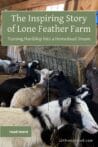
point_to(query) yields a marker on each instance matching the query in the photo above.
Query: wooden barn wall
(3, 52)
(13, 52)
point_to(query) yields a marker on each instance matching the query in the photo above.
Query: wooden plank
(17, 6)
(81, 5)
(4, 3)
(89, 56)
(4, 76)
(3, 52)
(31, 4)
(96, 61)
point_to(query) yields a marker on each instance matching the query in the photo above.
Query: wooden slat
(3, 52)
(17, 6)
(4, 76)
(30, 4)
(81, 5)
(89, 56)
(4, 3)
(96, 61)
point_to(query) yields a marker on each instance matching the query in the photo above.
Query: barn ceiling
(26, 4)
(5, 3)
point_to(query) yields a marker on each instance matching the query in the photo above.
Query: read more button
(15, 131)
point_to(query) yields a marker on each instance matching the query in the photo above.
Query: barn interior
(72, 60)
(79, 54)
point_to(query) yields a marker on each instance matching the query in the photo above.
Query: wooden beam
(17, 6)
(32, 4)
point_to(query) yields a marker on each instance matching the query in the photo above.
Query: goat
(10, 86)
(32, 95)
(30, 71)
(9, 67)
(43, 119)
(93, 139)
(90, 140)
(64, 88)
(4, 64)
(63, 85)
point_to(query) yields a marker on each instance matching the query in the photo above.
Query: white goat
(5, 64)
(32, 95)
(42, 119)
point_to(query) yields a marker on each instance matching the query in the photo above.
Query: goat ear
(83, 95)
(66, 102)
(50, 72)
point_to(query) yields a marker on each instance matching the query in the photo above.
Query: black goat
(91, 140)
(62, 83)
(59, 87)
(64, 88)
(9, 87)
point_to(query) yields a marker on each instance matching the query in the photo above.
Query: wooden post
(96, 56)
